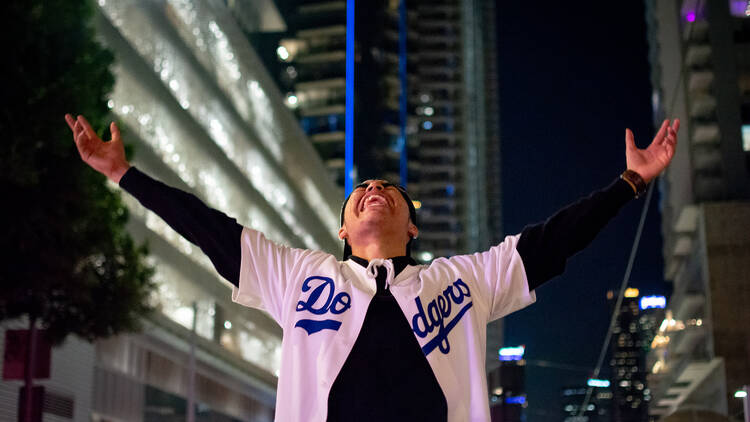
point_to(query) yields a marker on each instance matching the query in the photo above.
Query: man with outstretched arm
(376, 336)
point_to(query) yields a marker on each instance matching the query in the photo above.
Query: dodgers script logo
(321, 300)
(438, 310)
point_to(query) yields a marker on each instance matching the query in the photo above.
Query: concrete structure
(701, 74)
(205, 116)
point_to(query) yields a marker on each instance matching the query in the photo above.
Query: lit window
(292, 100)
(282, 52)
(746, 137)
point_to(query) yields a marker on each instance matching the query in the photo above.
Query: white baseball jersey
(321, 302)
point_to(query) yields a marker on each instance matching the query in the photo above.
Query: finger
(629, 139)
(676, 125)
(670, 138)
(115, 132)
(87, 127)
(662, 131)
(70, 121)
(83, 145)
(77, 129)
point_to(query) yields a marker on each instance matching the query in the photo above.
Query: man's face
(376, 205)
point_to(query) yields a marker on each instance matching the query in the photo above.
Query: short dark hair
(412, 217)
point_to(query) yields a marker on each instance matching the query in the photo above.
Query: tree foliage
(68, 260)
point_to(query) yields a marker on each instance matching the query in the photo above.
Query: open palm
(107, 158)
(652, 160)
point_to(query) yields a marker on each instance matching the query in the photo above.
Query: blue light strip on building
(404, 100)
(349, 122)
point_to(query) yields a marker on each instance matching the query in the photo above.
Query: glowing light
(659, 341)
(417, 204)
(497, 391)
(292, 99)
(631, 292)
(228, 324)
(593, 382)
(282, 52)
(516, 400)
(426, 256)
(659, 302)
(690, 17)
(511, 353)
(740, 394)
(429, 111)
(183, 315)
(427, 125)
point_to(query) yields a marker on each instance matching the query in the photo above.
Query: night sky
(573, 76)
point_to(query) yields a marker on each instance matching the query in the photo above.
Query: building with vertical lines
(700, 67)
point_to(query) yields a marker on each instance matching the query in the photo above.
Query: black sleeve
(545, 247)
(214, 232)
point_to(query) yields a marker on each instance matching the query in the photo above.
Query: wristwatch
(635, 181)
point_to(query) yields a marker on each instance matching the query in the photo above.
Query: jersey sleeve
(545, 247)
(499, 277)
(211, 230)
(266, 272)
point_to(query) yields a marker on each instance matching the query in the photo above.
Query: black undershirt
(386, 376)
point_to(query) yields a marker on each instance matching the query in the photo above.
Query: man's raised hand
(108, 158)
(650, 162)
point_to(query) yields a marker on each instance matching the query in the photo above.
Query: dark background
(573, 76)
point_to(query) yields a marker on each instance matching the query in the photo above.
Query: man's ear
(413, 231)
(342, 233)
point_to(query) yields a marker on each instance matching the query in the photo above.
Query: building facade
(205, 116)
(507, 386)
(700, 70)
(631, 340)
(598, 409)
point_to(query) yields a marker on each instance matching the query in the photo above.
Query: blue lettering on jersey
(322, 300)
(424, 323)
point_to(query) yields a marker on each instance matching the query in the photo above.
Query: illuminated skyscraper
(506, 385)
(631, 339)
(598, 409)
(450, 121)
(700, 71)
(314, 77)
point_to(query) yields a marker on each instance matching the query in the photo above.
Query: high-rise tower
(700, 71)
